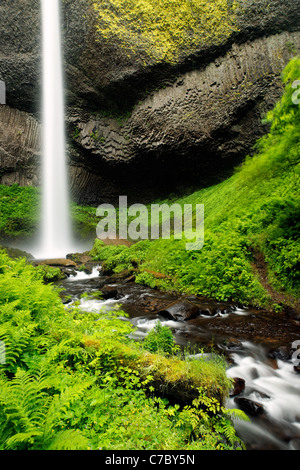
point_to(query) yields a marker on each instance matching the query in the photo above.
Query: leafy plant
(210, 424)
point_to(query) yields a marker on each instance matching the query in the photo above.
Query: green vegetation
(74, 380)
(49, 273)
(19, 211)
(255, 211)
(160, 339)
(84, 220)
(20, 214)
(162, 30)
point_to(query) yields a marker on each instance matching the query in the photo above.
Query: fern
(16, 341)
(225, 426)
(236, 413)
(61, 403)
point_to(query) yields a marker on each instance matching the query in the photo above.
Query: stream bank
(257, 345)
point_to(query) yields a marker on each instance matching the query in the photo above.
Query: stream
(256, 346)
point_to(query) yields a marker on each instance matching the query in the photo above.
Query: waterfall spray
(56, 236)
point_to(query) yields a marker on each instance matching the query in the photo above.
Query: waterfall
(56, 233)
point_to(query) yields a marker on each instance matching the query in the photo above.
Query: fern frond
(229, 431)
(23, 402)
(62, 402)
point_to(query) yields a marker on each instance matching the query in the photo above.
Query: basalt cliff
(147, 113)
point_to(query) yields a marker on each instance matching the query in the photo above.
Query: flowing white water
(83, 276)
(278, 390)
(56, 233)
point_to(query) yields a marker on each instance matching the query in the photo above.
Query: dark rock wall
(189, 134)
(19, 147)
(143, 131)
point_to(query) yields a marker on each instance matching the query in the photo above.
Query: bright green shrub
(160, 339)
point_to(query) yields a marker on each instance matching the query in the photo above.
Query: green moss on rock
(161, 30)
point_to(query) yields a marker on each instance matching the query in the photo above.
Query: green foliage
(117, 258)
(146, 279)
(19, 211)
(49, 273)
(20, 214)
(84, 220)
(256, 210)
(160, 339)
(163, 30)
(30, 417)
(209, 422)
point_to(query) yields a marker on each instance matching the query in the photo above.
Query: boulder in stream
(238, 386)
(58, 262)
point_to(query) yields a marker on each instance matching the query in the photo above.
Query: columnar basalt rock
(191, 132)
(20, 145)
(137, 125)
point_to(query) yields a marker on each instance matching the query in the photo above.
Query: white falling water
(56, 234)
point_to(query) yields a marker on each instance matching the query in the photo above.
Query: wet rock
(86, 269)
(68, 271)
(282, 429)
(232, 344)
(261, 395)
(130, 278)
(209, 311)
(250, 407)
(297, 369)
(181, 310)
(238, 387)
(224, 309)
(58, 262)
(292, 313)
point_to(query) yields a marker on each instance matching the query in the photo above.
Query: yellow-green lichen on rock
(162, 30)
